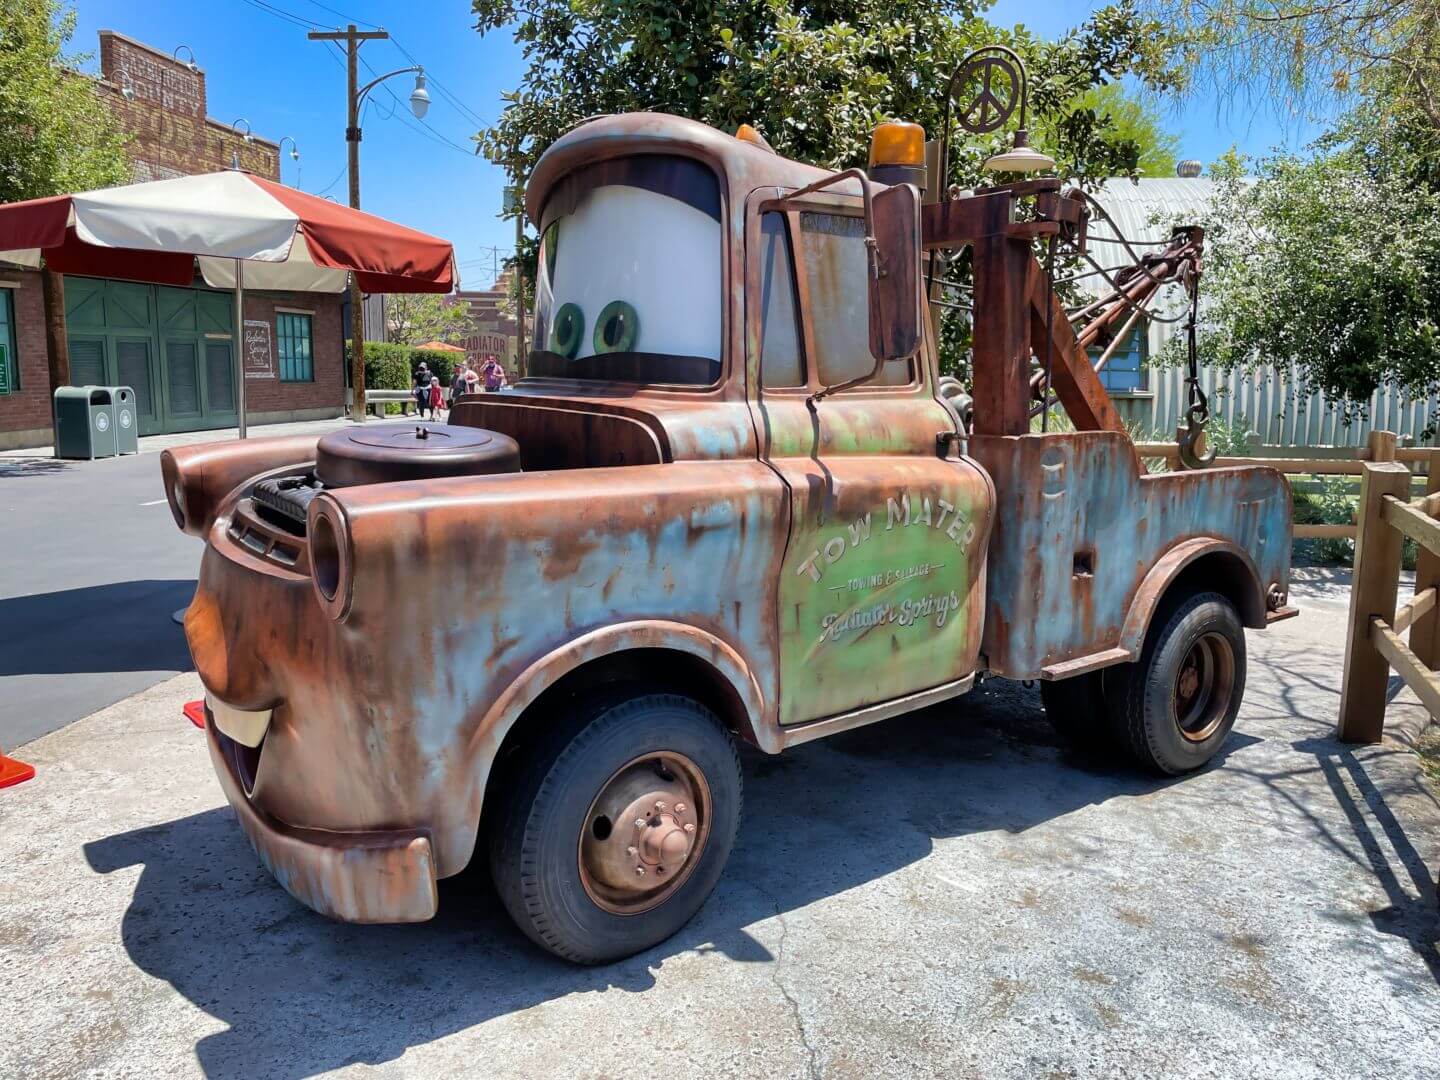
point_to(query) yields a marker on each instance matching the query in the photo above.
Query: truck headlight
(331, 556)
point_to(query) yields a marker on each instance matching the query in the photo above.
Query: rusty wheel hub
(1204, 686)
(645, 832)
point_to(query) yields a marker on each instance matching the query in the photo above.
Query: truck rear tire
(614, 831)
(1077, 709)
(1176, 706)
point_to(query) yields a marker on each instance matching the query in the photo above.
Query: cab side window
(836, 266)
(780, 350)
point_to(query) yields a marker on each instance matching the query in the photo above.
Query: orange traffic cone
(13, 772)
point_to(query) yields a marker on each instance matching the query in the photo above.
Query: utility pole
(515, 200)
(353, 39)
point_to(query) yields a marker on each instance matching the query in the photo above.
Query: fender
(1241, 580)
(199, 478)
(545, 672)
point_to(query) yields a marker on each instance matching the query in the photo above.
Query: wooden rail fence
(1373, 642)
(1385, 515)
(1381, 447)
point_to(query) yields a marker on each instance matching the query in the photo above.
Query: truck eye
(617, 328)
(567, 331)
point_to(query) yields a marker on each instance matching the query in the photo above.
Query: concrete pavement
(951, 893)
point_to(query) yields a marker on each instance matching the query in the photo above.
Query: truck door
(883, 578)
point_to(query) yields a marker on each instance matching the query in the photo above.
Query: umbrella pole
(240, 343)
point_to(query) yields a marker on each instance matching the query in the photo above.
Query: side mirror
(895, 293)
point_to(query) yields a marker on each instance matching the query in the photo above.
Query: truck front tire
(615, 830)
(1175, 707)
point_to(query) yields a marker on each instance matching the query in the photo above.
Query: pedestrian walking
(457, 383)
(437, 399)
(494, 374)
(423, 380)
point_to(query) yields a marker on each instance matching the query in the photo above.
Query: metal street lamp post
(355, 97)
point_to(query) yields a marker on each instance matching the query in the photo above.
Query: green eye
(567, 331)
(617, 328)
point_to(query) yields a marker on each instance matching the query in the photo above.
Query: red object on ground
(195, 713)
(14, 772)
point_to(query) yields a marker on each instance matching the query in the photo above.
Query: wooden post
(1372, 593)
(1425, 631)
(1382, 448)
(57, 345)
(1000, 370)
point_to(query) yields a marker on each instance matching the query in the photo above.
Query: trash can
(84, 422)
(127, 422)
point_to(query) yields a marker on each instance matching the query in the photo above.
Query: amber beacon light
(897, 154)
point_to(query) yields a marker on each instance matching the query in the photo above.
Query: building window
(1125, 372)
(9, 363)
(293, 339)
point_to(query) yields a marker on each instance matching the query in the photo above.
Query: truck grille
(283, 501)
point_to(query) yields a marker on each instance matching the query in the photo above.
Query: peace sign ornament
(1001, 90)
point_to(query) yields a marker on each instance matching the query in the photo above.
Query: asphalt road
(92, 571)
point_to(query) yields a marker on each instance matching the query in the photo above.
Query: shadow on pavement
(14, 467)
(302, 995)
(121, 626)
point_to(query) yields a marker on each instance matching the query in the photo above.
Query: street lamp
(1003, 91)
(294, 155)
(189, 63)
(355, 94)
(249, 138)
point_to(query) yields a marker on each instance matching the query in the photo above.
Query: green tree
(1329, 262)
(415, 318)
(1303, 55)
(814, 76)
(1130, 128)
(56, 135)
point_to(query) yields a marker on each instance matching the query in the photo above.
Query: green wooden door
(172, 346)
(111, 329)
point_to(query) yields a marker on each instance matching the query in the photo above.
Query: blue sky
(260, 66)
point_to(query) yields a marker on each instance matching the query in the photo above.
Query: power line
(337, 55)
(444, 91)
(348, 18)
(406, 121)
(309, 24)
(281, 13)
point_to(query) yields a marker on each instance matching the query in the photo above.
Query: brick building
(492, 323)
(173, 345)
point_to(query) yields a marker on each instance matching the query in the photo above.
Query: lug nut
(659, 869)
(639, 871)
(679, 808)
(632, 850)
(689, 828)
(660, 806)
(639, 822)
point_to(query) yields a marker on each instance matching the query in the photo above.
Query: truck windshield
(628, 282)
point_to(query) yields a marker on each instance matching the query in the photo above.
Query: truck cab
(727, 503)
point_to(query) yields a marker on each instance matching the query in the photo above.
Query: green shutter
(87, 361)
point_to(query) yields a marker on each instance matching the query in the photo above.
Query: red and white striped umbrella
(157, 232)
(238, 229)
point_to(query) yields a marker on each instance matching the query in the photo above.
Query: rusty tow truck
(729, 502)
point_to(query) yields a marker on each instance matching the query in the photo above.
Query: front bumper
(382, 876)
